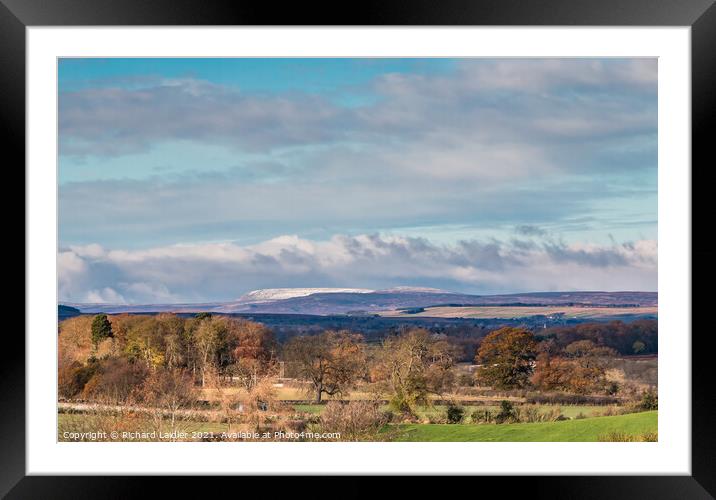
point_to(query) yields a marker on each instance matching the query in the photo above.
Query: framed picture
(435, 241)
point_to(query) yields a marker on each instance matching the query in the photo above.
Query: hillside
(64, 312)
(339, 301)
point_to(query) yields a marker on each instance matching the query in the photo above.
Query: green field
(588, 429)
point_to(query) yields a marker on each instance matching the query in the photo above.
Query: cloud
(485, 101)
(530, 230)
(116, 121)
(562, 144)
(224, 271)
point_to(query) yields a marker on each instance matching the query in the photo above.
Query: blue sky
(477, 175)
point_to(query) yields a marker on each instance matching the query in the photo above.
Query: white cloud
(106, 295)
(224, 271)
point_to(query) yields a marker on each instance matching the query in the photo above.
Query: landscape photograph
(357, 249)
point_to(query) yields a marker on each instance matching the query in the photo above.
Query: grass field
(588, 429)
(492, 312)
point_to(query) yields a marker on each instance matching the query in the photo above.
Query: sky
(192, 180)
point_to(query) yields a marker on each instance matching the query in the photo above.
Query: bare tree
(413, 365)
(168, 392)
(330, 361)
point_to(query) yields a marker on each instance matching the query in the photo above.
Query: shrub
(650, 437)
(529, 414)
(355, 421)
(535, 413)
(466, 380)
(436, 418)
(618, 436)
(73, 378)
(507, 413)
(454, 414)
(649, 400)
(389, 416)
(115, 380)
(482, 417)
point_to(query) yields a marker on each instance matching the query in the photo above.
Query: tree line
(166, 358)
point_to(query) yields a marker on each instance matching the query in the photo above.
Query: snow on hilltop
(269, 294)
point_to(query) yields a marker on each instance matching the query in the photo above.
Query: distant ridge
(327, 301)
(415, 289)
(64, 311)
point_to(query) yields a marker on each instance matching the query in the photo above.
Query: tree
(250, 348)
(168, 392)
(638, 346)
(75, 340)
(586, 349)
(101, 329)
(144, 341)
(171, 330)
(581, 369)
(506, 357)
(206, 341)
(413, 365)
(331, 361)
(553, 373)
(114, 380)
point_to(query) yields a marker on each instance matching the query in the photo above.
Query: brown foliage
(355, 421)
(115, 381)
(582, 371)
(506, 357)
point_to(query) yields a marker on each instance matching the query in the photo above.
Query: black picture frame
(700, 15)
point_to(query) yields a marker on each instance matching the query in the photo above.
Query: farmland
(211, 377)
(509, 312)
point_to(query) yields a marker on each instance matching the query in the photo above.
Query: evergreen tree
(101, 329)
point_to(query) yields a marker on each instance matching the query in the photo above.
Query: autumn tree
(75, 340)
(590, 364)
(114, 380)
(145, 342)
(506, 358)
(171, 329)
(553, 373)
(205, 343)
(580, 368)
(168, 392)
(258, 400)
(414, 365)
(252, 352)
(330, 361)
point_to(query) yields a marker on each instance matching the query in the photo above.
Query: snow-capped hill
(271, 294)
